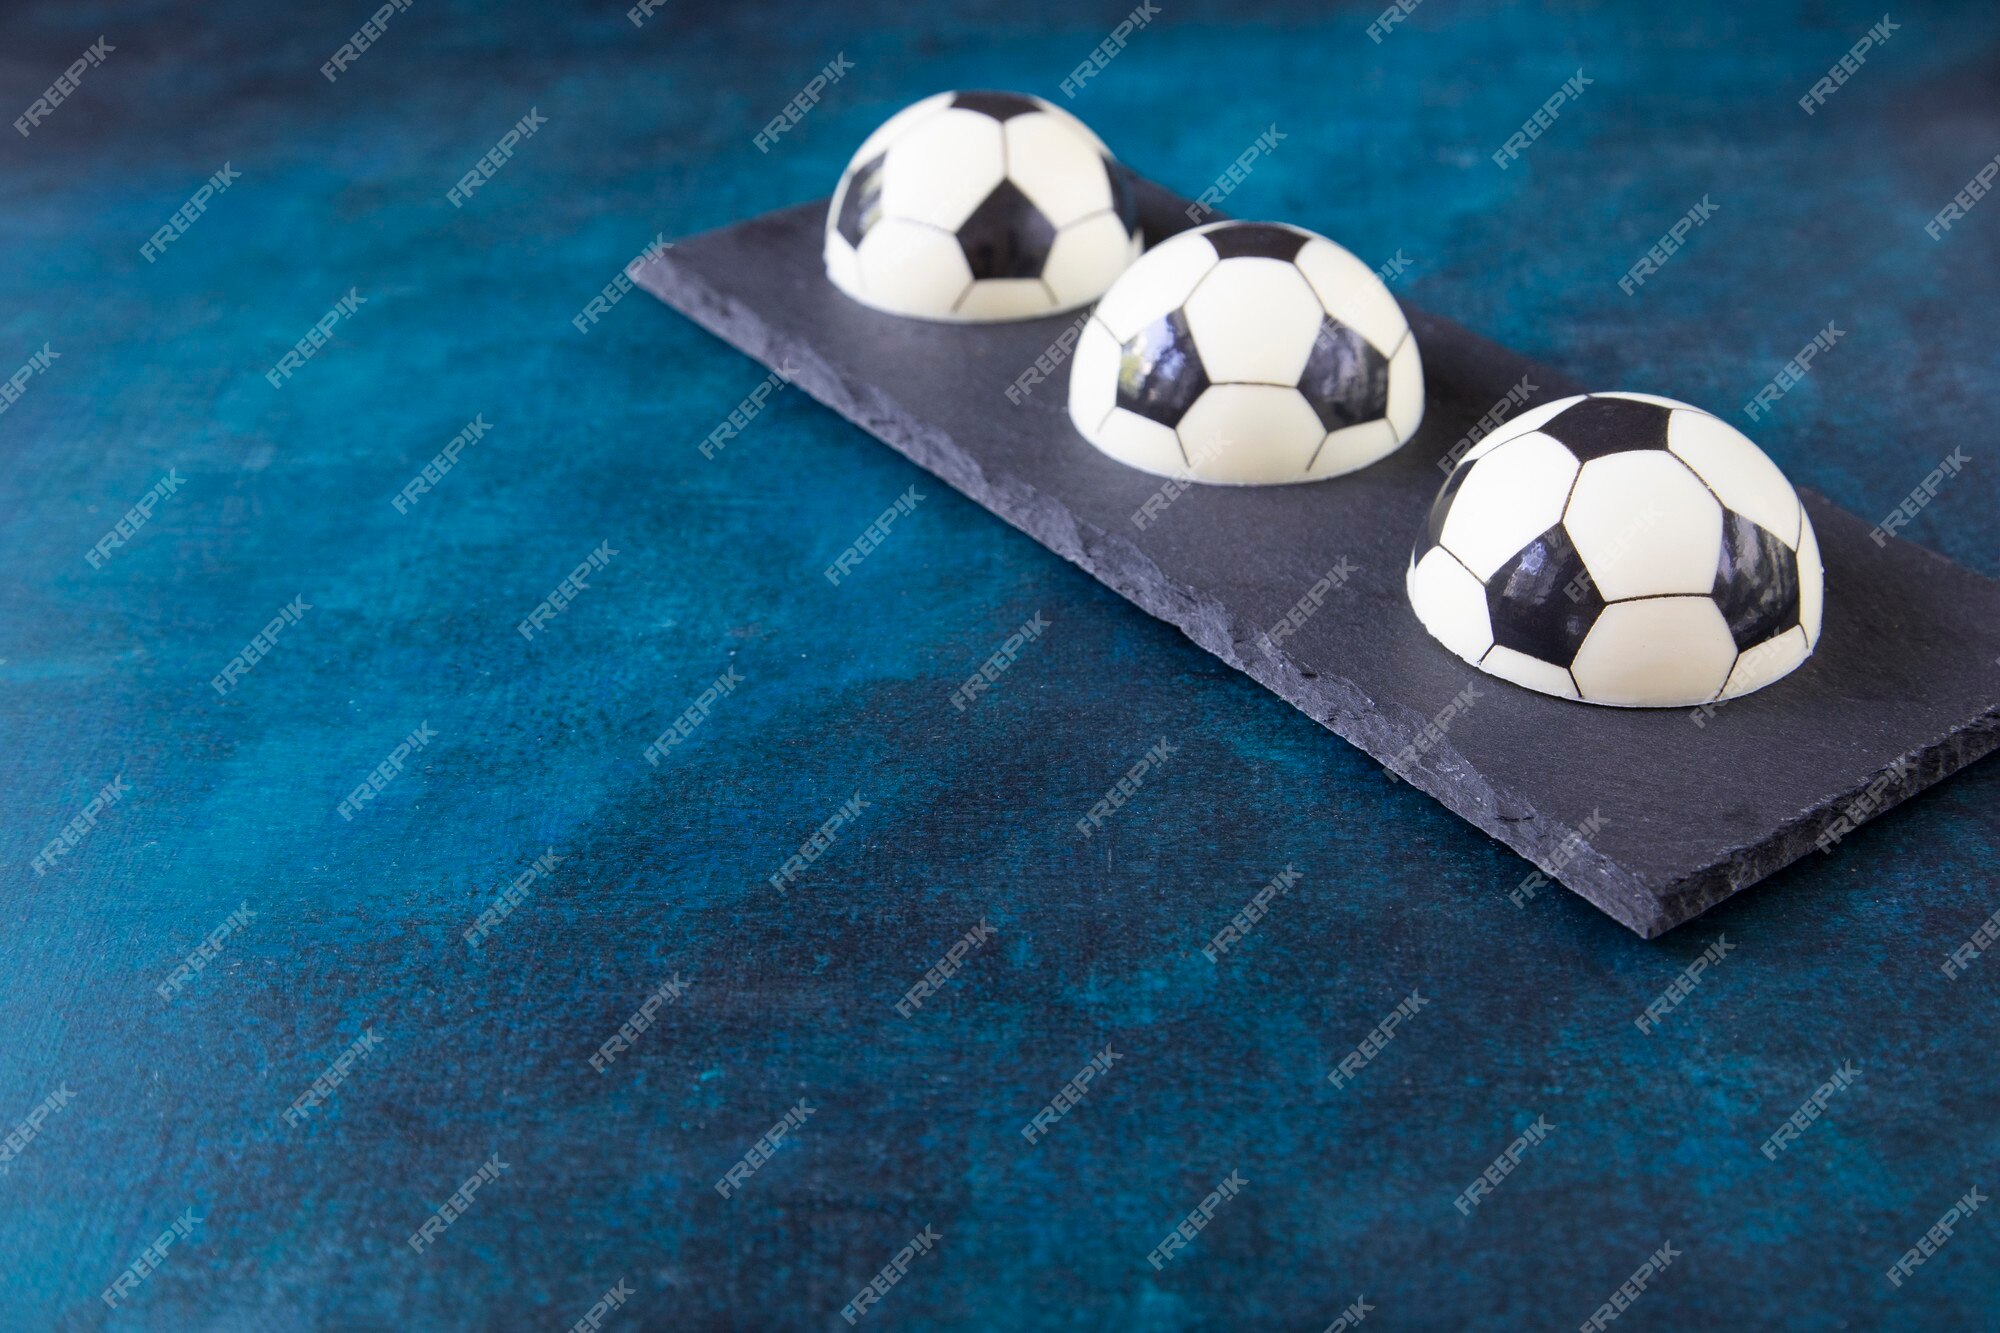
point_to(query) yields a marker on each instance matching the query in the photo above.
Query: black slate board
(1903, 691)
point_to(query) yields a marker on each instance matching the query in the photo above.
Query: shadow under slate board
(1648, 816)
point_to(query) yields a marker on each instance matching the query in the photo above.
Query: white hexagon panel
(980, 207)
(1247, 353)
(1621, 549)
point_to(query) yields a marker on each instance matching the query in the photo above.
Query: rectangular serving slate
(1903, 691)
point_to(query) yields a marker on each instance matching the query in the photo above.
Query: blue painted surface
(179, 1105)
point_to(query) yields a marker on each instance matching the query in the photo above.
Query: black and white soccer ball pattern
(1247, 353)
(1621, 548)
(980, 206)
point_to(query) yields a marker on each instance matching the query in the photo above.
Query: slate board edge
(1334, 702)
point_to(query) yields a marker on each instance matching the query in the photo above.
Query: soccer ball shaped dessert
(1247, 353)
(980, 206)
(1621, 548)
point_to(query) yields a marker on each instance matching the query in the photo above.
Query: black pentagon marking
(1006, 236)
(1542, 602)
(1441, 507)
(1346, 380)
(1756, 582)
(1599, 426)
(1256, 240)
(861, 206)
(1000, 106)
(1123, 202)
(1159, 371)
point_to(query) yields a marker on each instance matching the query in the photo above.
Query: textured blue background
(178, 1105)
